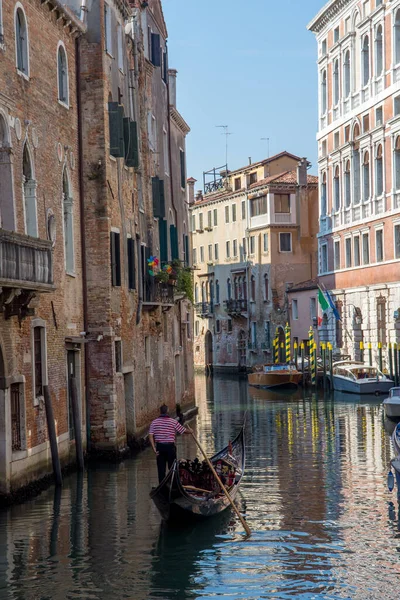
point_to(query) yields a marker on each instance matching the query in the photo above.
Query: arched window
(336, 82)
(366, 176)
(211, 289)
(396, 162)
(323, 196)
(266, 287)
(203, 292)
(29, 188)
(347, 184)
(68, 225)
(253, 288)
(63, 95)
(196, 293)
(336, 189)
(229, 289)
(396, 36)
(236, 288)
(378, 51)
(323, 93)
(365, 61)
(21, 42)
(7, 217)
(217, 292)
(346, 74)
(356, 166)
(379, 171)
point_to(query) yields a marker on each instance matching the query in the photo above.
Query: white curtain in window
(346, 74)
(379, 51)
(365, 61)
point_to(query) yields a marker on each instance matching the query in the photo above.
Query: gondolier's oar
(246, 527)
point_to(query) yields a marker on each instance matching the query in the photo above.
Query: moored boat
(190, 490)
(356, 378)
(275, 375)
(396, 440)
(391, 405)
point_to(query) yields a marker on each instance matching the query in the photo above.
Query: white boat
(391, 404)
(356, 378)
(396, 443)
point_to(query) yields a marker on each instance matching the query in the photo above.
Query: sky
(250, 65)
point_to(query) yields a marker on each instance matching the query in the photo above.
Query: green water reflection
(314, 494)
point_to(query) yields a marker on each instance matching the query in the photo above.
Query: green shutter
(162, 198)
(131, 143)
(114, 127)
(173, 235)
(135, 145)
(162, 231)
(121, 131)
(155, 183)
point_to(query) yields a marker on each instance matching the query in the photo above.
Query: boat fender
(390, 481)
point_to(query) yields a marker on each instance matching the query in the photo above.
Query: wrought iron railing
(204, 308)
(234, 306)
(26, 260)
(158, 293)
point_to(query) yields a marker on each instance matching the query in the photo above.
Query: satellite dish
(51, 226)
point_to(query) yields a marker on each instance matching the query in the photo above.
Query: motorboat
(275, 375)
(391, 404)
(396, 440)
(357, 378)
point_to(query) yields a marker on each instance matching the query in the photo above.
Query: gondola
(189, 490)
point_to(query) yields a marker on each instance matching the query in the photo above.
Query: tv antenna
(266, 140)
(226, 134)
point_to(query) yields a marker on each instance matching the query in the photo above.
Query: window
(324, 258)
(379, 245)
(21, 41)
(378, 116)
(258, 206)
(235, 248)
(233, 213)
(68, 225)
(201, 254)
(193, 222)
(336, 255)
(196, 327)
(152, 131)
(188, 326)
(347, 184)
(201, 226)
(323, 93)
(378, 51)
(165, 151)
(226, 214)
(115, 258)
(253, 333)
(40, 361)
(365, 248)
(253, 288)
(379, 171)
(323, 196)
(253, 178)
(252, 244)
(217, 292)
(209, 219)
(397, 163)
(29, 191)
(18, 434)
(282, 203)
(285, 242)
(336, 35)
(229, 289)
(336, 190)
(210, 252)
(396, 106)
(243, 209)
(397, 241)
(365, 123)
(120, 46)
(118, 356)
(347, 133)
(107, 29)
(347, 25)
(348, 252)
(356, 245)
(238, 183)
(265, 240)
(346, 75)
(229, 326)
(323, 47)
(215, 217)
(397, 38)
(366, 8)
(183, 169)
(336, 139)
(381, 319)
(266, 288)
(244, 246)
(130, 246)
(356, 176)
(313, 308)
(295, 310)
(62, 75)
(217, 326)
(228, 249)
(336, 82)
(365, 61)
(216, 253)
(366, 177)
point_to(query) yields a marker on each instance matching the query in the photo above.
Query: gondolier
(162, 436)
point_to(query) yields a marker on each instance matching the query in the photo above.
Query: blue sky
(249, 65)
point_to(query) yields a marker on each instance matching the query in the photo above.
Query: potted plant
(184, 284)
(162, 276)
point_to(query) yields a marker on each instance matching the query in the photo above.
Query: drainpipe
(84, 10)
(82, 230)
(170, 156)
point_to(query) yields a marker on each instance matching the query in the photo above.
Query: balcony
(252, 346)
(235, 308)
(26, 268)
(157, 294)
(204, 309)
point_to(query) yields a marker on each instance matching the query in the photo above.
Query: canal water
(314, 495)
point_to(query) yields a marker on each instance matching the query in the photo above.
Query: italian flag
(322, 306)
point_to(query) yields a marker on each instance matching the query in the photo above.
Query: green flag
(322, 300)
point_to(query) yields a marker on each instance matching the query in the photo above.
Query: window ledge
(22, 74)
(109, 54)
(63, 104)
(70, 274)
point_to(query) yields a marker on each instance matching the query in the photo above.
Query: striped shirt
(164, 429)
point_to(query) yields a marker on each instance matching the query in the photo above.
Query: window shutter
(131, 264)
(115, 259)
(186, 245)
(155, 182)
(155, 50)
(162, 198)
(134, 145)
(116, 126)
(173, 233)
(131, 143)
(183, 178)
(162, 231)
(165, 66)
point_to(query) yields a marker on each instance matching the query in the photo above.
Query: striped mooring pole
(302, 357)
(362, 351)
(310, 351)
(380, 356)
(276, 347)
(323, 354)
(390, 361)
(313, 358)
(287, 343)
(370, 353)
(295, 352)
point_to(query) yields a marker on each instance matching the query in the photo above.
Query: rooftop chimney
(191, 181)
(302, 172)
(199, 196)
(172, 86)
(249, 160)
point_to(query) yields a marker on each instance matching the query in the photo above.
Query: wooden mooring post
(76, 416)
(51, 428)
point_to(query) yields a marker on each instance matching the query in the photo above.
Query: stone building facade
(253, 237)
(359, 169)
(40, 237)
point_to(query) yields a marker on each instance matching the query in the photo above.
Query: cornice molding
(179, 121)
(326, 14)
